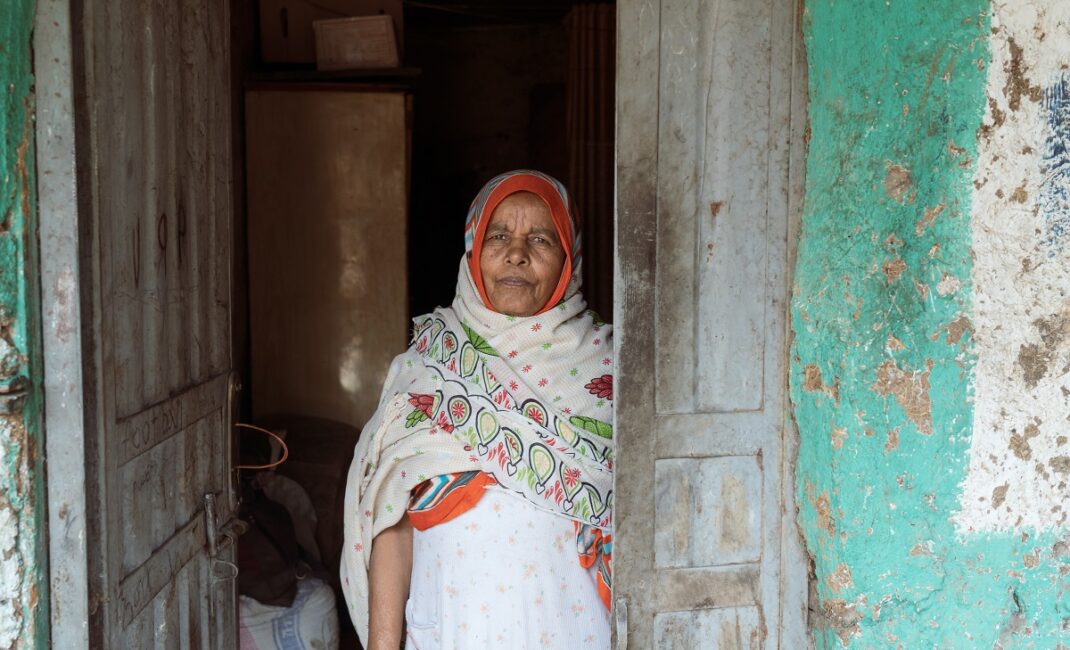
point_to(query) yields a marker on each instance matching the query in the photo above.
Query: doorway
(481, 88)
(705, 186)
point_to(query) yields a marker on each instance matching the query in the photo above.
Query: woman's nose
(517, 252)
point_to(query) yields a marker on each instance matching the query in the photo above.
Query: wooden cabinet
(327, 231)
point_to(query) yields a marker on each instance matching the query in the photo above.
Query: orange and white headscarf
(525, 400)
(562, 213)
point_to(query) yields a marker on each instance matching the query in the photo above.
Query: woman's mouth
(513, 281)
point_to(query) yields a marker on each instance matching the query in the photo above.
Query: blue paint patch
(1054, 199)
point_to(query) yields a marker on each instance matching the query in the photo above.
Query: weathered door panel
(156, 155)
(709, 142)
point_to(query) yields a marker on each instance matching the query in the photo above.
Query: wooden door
(710, 114)
(154, 153)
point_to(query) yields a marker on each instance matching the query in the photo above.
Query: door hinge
(620, 614)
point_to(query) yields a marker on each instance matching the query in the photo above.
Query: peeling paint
(1021, 276)
(23, 578)
(897, 182)
(911, 391)
(917, 113)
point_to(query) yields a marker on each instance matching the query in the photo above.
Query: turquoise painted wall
(23, 576)
(882, 356)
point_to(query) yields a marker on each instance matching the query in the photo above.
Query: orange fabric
(559, 214)
(455, 504)
(605, 593)
(597, 552)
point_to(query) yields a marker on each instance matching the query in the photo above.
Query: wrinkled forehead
(526, 204)
(519, 186)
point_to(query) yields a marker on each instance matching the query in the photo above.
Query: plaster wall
(23, 623)
(935, 169)
(1019, 470)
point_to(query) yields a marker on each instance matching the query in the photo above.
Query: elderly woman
(478, 507)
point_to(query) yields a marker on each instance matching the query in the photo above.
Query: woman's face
(522, 256)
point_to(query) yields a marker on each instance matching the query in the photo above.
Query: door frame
(70, 416)
(69, 313)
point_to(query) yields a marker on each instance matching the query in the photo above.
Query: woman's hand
(388, 586)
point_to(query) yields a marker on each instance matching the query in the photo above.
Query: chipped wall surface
(1019, 472)
(23, 623)
(899, 324)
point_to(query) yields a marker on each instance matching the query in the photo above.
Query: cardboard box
(354, 43)
(286, 32)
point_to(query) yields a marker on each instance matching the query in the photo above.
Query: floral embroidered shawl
(526, 400)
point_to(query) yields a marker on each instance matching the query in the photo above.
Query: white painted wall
(1020, 457)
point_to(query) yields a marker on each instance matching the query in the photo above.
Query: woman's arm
(388, 585)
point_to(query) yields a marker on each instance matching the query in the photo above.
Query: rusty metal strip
(142, 431)
(140, 587)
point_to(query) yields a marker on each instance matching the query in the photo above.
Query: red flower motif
(602, 387)
(358, 547)
(423, 403)
(607, 361)
(444, 423)
(513, 385)
(526, 368)
(536, 327)
(543, 382)
(534, 414)
(512, 354)
(448, 343)
(572, 475)
(568, 411)
(597, 341)
(457, 411)
(421, 345)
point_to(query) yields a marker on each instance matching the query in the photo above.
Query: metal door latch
(230, 531)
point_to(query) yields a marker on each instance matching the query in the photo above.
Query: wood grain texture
(703, 310)
(327, 255)
(633, 302)
(717, 629)
(157, 163)
(707, 511)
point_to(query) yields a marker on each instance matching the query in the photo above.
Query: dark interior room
(351, 192)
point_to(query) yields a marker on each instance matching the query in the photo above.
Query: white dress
(502, 575)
